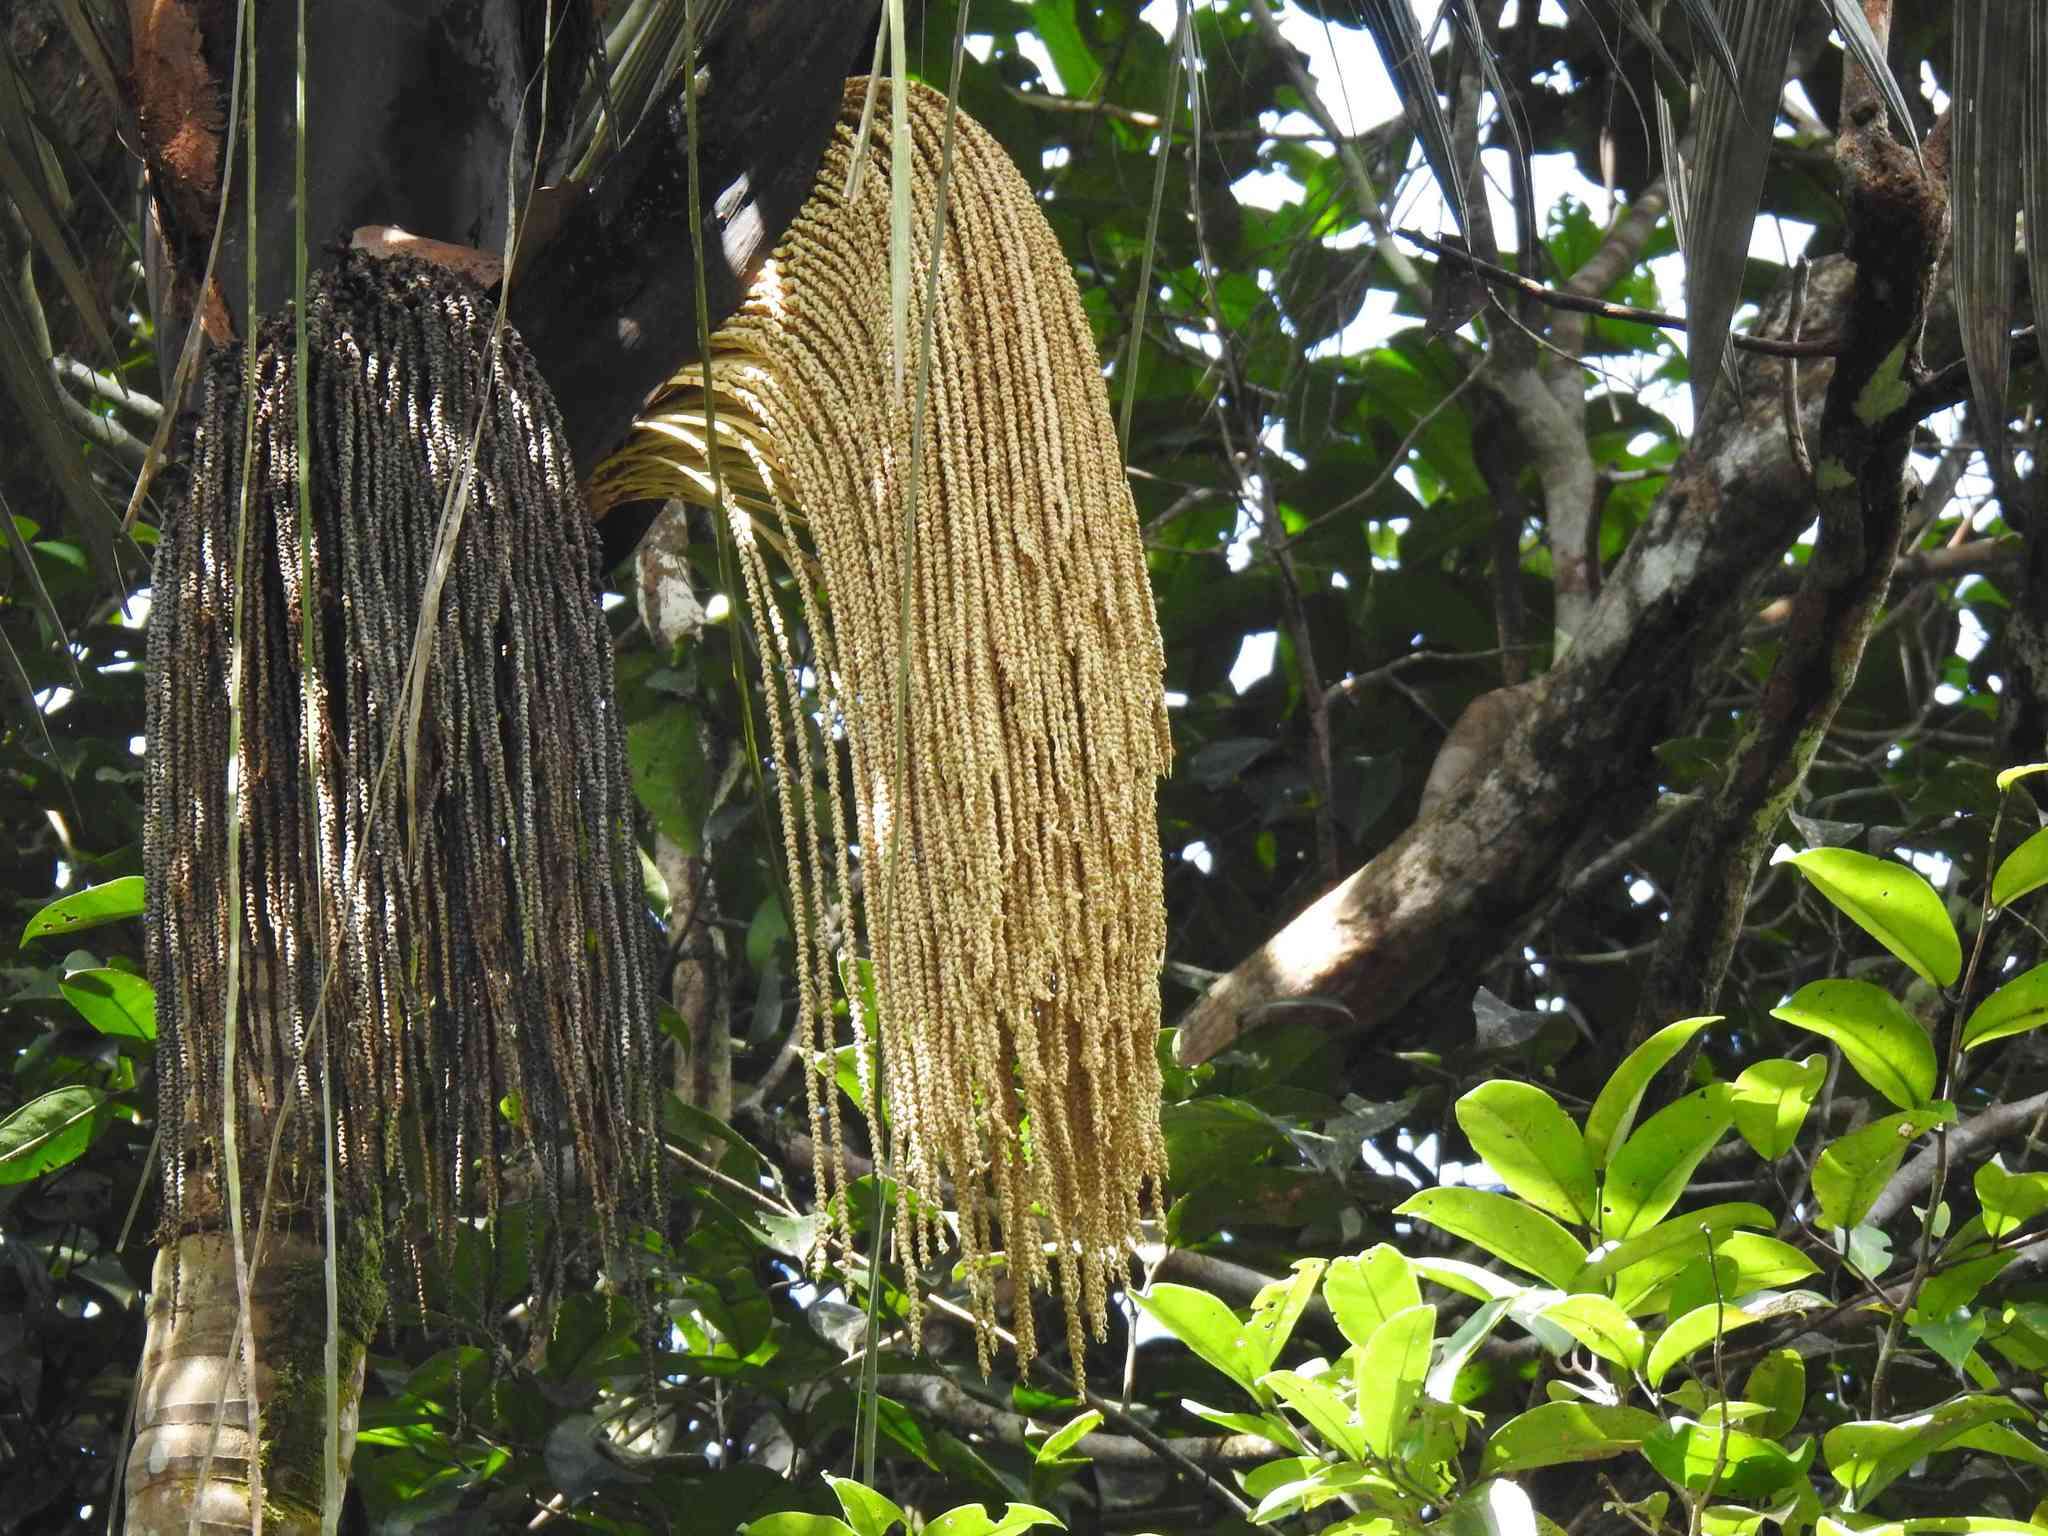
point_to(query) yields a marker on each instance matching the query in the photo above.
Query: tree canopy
(1533, 688)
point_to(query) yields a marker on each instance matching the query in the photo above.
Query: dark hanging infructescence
(478, 936)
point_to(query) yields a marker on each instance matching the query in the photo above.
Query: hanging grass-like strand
(1015, 947)
(495, 948)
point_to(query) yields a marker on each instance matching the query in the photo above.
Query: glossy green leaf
(1474, 1280)
(1958, 1285)
(1613, 1113)
(1892, 904)
(1532, 1144)
(1867, 1457)
(1067, 1436)
(974, 1520)
(1268, 1426)
(1275, 1311)
(48, 1132)
(2022, 871)
(1692, 1332)
(2010, 1200)
(1731, 1461)
(1851, 1172)
(1320, 1408)
(1365, 1291)
(2007, 777)
(1601, 1326)
(868, 1512)
(1777, 1383)
(671, 775)
(1551, 1434)
(797, 1523)
(1207, 1327)
(1771, 1099)
(92, 907)
(113, 1002)
(1650, 1172)
(2014, 1009)
(1311, 1483)
(1680, 1236)
(1509, 1230)
(1442, 1381)
(1390, 1373)
(1884, 1043)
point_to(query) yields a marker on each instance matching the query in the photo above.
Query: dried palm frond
(1008, 897)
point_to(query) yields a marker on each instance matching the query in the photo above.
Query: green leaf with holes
(92, 907)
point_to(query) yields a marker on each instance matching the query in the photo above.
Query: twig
(1044, 101)
(1368, 195)
(1795, 432)
(109, 386)
(1558, 298)
(1345, 687)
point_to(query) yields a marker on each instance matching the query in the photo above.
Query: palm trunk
(194, 1379)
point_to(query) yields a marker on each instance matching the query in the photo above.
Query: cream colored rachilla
(1008, 864)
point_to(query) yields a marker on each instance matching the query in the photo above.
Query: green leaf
(113, 1002)
(1649, 1173)
(2010, 1200)
(1892, 904)
(1867, 1457)
(1442, 1381)
(1322, 1409)
(973, 1520)
(1275, 1311)
(1852, 1172)
(1680, 1236)
(1733, 1463)
(1601, 1326)
(1551, 1434)
(1269, 1426)
(1207, 1327)
(1531, 1144)
(1365, 1291)
(1771, 1099)
(48, 1132)
(1509, 1230)
(2007, 777)
(1883, 1042)
(1390, 1372)
(1473, 1280)
(1066, 1437)
(92, 907)
(868, 1512)
(1778, 1383)
(2018, 1006)
(1691, 1332)
(2022, 871)
(671, 776)
(1613, 1113)
(1958, 1285)
(796, 1523)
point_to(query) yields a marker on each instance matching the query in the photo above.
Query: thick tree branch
(1898, 222)
(1494, 848)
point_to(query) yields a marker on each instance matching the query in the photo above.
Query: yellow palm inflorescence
(1002, 819)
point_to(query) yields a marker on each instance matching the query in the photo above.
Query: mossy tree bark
(196, 1450)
